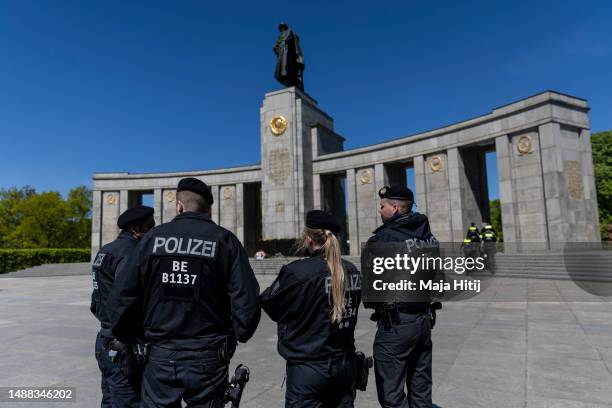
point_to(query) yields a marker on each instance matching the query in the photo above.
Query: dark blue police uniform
(403, 352)
(319, 352)
(191, 291)
(117, 389)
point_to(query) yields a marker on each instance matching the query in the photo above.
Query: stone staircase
(593, 266)
(583, 266)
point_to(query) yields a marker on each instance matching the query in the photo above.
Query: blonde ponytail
(333, 256)
(338, 283)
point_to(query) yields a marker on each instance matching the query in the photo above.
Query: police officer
(489, 246)
(315, 302)
(192, 292)
(118, 390)
(402, 346)
(473, 234)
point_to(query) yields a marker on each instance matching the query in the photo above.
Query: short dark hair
(193, 201)
(404, 205)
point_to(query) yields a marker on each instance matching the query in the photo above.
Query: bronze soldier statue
(289, 60)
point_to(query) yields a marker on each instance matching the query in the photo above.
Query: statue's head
(283, 27)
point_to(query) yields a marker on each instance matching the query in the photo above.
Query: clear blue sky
(140, 86)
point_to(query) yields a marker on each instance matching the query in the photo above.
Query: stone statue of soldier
(289, 60)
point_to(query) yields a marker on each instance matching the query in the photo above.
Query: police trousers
(118, 391)
(197, 377)
(321, 384)
(402, 362)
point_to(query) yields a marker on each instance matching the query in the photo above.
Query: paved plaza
(521, 343)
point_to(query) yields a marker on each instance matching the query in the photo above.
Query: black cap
(318, 219)
(396, 192)
(197, 186)
(133, 216)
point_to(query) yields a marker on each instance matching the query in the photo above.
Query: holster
(130, 357)
(227, 349)
(362, 370)
(236, 386)
(388, 314)
(433, 307)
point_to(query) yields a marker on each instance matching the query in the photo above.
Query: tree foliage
(601, 143)
(496, 218)
(45, 220)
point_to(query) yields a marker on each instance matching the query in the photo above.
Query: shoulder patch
(99, 259)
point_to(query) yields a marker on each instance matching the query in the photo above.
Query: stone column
(568, 185)
(96, 222)
(380, 180)
(227, 208)
(457, 190)
(590, 192)
(366, 203)
(438, 196)
(287, 118)
(528, 187)
(214, 210)
(240, 212)
(317, 192)
(506, 189)
(420, 184)
(124, 197)
(110, 213)
(157, 205)
(168, 211)
(353, 222)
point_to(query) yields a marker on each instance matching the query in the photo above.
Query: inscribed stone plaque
(278, 165)
(573, 176)
(280, 207)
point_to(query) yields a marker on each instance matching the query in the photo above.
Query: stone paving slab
(504, 348)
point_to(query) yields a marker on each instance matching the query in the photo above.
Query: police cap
(196, 186)
(317, 219)
(396, 192)
(133, 216)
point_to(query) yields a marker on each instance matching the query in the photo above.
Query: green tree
(45, 220)
(496, 219)
(601, 143)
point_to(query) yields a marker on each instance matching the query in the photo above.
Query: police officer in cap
(192, 292)
(403, 348)
(118, 390)
(315, 302)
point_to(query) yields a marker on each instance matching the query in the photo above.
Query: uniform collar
(392, 221)
(195, 215)
(126, 235)
(317, 253)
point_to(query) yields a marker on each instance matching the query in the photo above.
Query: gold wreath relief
(111, 199)
(524, 144)
(227, 193)
(435, 163)
(278, 125)
(365, 177)
(170, 196)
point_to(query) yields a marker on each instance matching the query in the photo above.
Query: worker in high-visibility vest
(489, 246)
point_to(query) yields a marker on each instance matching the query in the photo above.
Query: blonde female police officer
(315, 302)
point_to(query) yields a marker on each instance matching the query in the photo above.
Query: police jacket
(412, 228)
(189, 286)
(299, 301)
(105, 265)
(408, 226)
